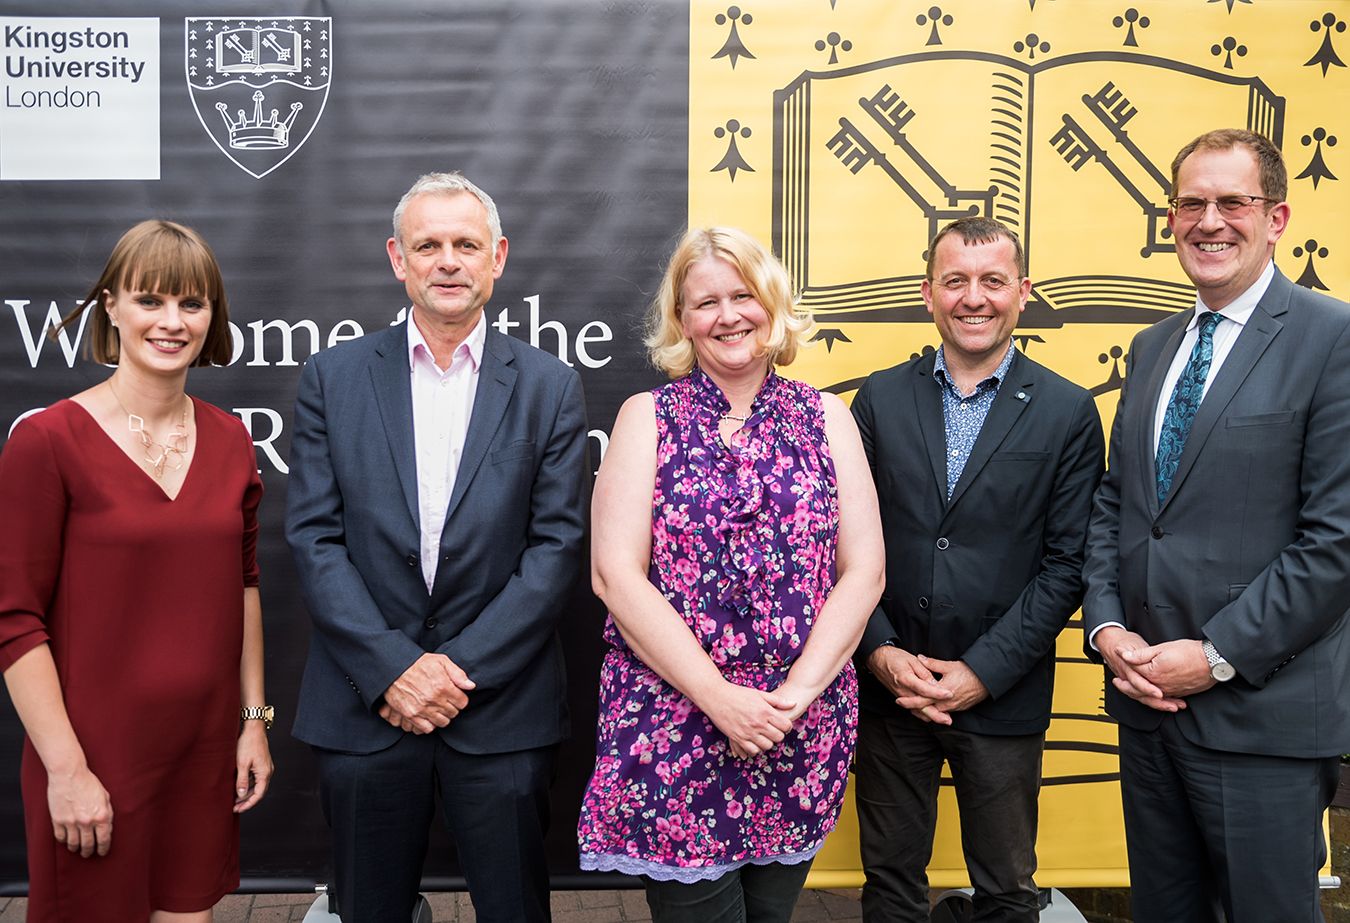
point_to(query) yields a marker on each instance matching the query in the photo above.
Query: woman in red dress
(130, 625)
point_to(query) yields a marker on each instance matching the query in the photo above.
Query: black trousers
(380, 807)
(1213, 835)
(750, 894)
(997, 779)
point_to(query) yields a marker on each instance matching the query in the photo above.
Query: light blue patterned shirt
(963, 415)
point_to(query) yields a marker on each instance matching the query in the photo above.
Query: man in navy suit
(985, 463)
(435, 514)
(1218, 566)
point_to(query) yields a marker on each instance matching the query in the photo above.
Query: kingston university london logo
(259, 84)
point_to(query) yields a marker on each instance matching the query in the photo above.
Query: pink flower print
(642, 749)
(705, 625)
(678, 518)
(732, 641)
(799, 790)
(743, 550)
(687, 570)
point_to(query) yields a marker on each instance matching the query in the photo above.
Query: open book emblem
(918, 140)
(259, 84)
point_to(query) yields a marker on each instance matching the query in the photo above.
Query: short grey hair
(447, 184)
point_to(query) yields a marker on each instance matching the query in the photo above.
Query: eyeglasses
(1230, 206)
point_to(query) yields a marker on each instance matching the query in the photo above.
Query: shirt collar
(472, 345)
(1240, 308)
(1000, 373)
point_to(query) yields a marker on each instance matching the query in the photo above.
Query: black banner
(285, 133)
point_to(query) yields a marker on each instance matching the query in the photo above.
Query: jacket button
(412, 560)
(942, 543)
(923, 602)
(1157, 532)
(430, 623)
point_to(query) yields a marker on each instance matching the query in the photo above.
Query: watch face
(1223, 671)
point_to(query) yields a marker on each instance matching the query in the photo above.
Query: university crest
(259, 84)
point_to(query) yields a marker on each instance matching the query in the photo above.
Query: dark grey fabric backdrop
(572, 114)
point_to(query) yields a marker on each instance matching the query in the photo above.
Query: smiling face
(975, 297)
(1224, 256)
(723, 319)
(446, 259)
(158, 333)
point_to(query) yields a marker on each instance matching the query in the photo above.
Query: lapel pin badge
(1023, 397)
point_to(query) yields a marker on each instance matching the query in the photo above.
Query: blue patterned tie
(1185, 401)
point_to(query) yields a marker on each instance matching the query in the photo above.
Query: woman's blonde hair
(790, 324)
(158, 256)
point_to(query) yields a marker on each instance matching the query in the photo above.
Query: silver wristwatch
(1220, 669)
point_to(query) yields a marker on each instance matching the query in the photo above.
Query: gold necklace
(157, 454)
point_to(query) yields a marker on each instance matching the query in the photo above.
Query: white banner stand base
(318, 911)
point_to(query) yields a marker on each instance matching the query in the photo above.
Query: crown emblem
(253, 133)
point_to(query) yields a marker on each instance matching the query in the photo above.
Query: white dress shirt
(1234, 317)
(442, 402)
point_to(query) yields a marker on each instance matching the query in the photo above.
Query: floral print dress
(743, 544)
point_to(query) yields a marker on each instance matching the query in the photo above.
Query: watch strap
(263, 713)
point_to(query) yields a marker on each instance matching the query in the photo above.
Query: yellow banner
(846, 132)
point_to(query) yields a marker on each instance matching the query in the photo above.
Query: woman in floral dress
(737, 545)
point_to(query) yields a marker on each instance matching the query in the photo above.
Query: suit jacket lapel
(1011, 400)
(1148, 411)
(496, 382)
(390, 375)
(928, 411)
(1261, 328)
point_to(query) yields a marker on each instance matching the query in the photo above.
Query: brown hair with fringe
(165, 257)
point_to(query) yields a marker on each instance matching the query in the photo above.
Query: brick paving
(568, 907)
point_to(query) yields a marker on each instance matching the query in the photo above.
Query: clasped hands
(754, 720)
(928, 688)
(1157, 675)
(430, 694)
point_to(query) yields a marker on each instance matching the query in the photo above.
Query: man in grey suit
(1218, 564)
(985, 463)
(435, 514)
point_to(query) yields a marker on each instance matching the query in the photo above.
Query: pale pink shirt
(442, 401)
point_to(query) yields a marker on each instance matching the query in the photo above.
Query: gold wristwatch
(263, 713)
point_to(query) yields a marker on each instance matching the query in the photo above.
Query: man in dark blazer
(435, 514)
(1219, 562)
(985, 463)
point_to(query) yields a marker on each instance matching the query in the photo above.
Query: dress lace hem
(631, 865)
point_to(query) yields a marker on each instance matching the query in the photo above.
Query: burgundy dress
(141, 600)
